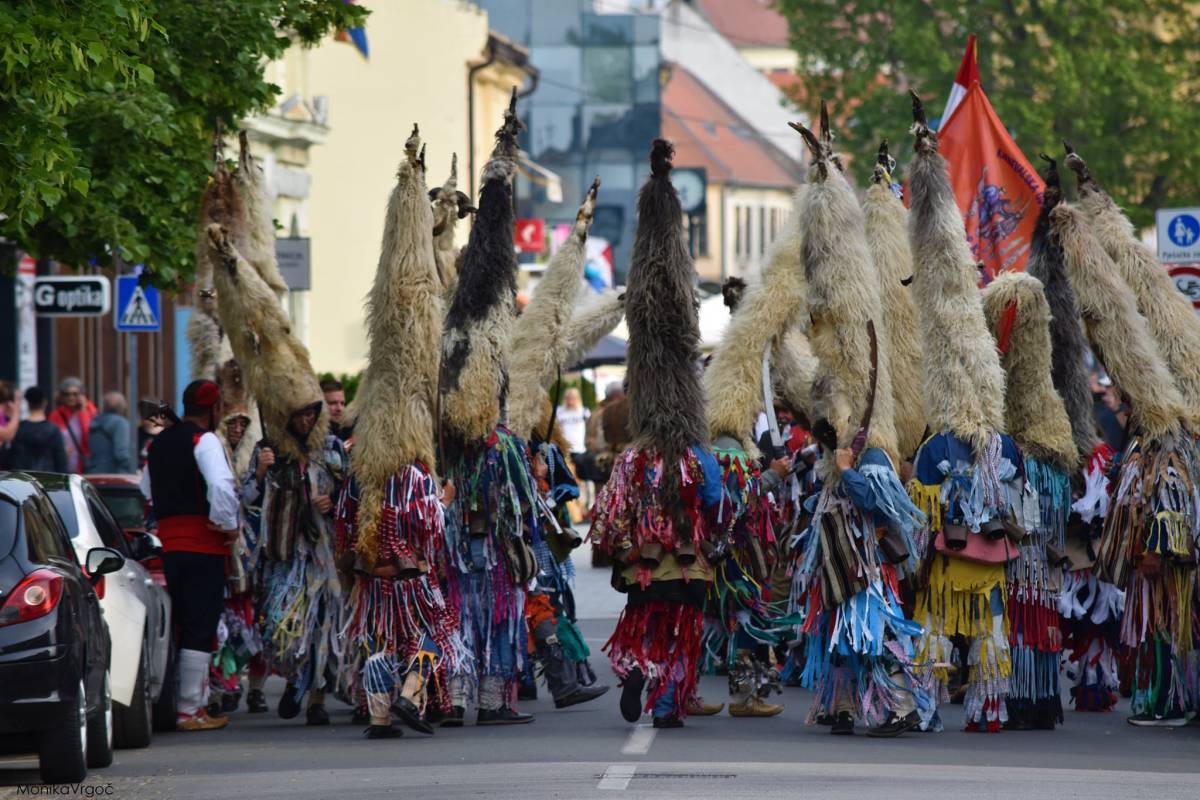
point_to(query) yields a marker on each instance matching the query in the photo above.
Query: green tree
(1119, 79)
(107, 113)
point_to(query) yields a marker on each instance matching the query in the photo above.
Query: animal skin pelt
(258, 243)
(539, 345)
(1119, 335)
(666, 400)
(236, 399)
(843, 301)
(1034, 414)
(394, 426)
(591, 321)
(964, 383)
(449, 206)
(767, 308)
(1169, 312)
(478, 326)
(222, 204)
(1068, 342)
(793, 368)
(887, 235)
(274, 363)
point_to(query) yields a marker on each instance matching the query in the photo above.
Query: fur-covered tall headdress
(964, 383)
(768, 308)
(1169, 313)
(222, 204)
(1034, 414)
(1068, 343)
(843, 302)
(1119, 335)
(666, 400)
(274, 362)
(395, 423)
(256, 239)
(449, 206)
(478, 326)
(887, 235)
(793, 369)
(539, 344)
(237, 402)
(591, 321)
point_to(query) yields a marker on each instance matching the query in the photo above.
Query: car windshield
(126, 505)
(8, 527)
(65, 506)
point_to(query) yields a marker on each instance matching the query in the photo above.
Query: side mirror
(144, 545)
(103, 560)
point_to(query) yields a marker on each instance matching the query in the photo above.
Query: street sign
(1187, 280)
(138, 307)
(71, 295)
(530, 235)
(1178, 235)
(690, 183)
(294, 256)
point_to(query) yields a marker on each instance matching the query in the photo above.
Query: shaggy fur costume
(538, 344)
(274, 362)
(666, 400)
(449, 206)
(258, 244)
(767, 308)
(1034, 414)
(1119, 335)
(964, 384)
(590, 323)
(887, 235)
(1168, 312)
(1067, 339)
(843, 297)
(478, 326)
(404, 313)
(794, 368)
(222, 204)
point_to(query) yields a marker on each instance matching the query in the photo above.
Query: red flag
(968, 74)
(997, 189)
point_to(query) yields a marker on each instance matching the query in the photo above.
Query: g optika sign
(71, 295)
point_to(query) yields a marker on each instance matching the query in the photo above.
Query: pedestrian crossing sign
(138, 307)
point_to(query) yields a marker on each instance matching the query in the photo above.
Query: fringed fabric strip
(662, 639)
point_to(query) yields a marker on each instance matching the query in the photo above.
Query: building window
(761, 213)
(697, 230)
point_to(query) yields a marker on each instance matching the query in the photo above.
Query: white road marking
(639, 741)
(616, 777)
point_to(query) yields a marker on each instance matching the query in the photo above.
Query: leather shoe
(755, 707)
(582, 695)
(317, 715)
(455, 718)
(289, 704)
(410, 715)
(502, 716)
(843, 724)
(383, 732)
(256, 702)
(895, 726)
(672, 721)
(631, 695)
(699, 708)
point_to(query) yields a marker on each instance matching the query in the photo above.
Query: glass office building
(595, 111)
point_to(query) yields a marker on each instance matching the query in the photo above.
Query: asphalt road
(589, 751)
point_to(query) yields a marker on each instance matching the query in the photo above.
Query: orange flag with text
(998, 192)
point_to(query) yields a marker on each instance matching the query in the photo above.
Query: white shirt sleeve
(144, 482)
(223, 509)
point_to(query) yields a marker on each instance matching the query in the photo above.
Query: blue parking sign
(137, 308)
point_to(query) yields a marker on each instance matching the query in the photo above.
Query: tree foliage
(1119, 79)
(107, 113)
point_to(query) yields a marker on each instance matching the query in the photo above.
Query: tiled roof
(746, 23)
(707, 133)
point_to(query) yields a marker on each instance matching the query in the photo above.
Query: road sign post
(1178, 235)
(138, 308)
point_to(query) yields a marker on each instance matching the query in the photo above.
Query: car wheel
(166, 708)
(132, 725)
(62, 752)
(100, 730)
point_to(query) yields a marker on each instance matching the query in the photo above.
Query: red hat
(201, 394)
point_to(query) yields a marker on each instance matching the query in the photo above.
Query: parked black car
(54, 643)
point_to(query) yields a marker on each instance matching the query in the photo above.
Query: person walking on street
(38, 443)
(196, 504)
(74, 417)
(108, 439)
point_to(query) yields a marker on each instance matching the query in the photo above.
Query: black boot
(455, 718)
(383, 732)
(410, 715)
(317, 715)
(256, 702)
(563, 679)
(895, 726)
(843, 724)
(631, 695)
(502, 716)
(289, 704)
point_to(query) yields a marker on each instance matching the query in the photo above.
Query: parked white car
(136, 608)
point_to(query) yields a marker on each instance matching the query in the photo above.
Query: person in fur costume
(449, 206)
(744, 619)
(1035, 417)
(493, 526)
(539, 353)
(655, 515)
(300, 599)
(967, 471)
(859, 648)
(1148, 543)
(402, 641)
(1089, 606)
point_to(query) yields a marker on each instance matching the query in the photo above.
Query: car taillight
(34, 597)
